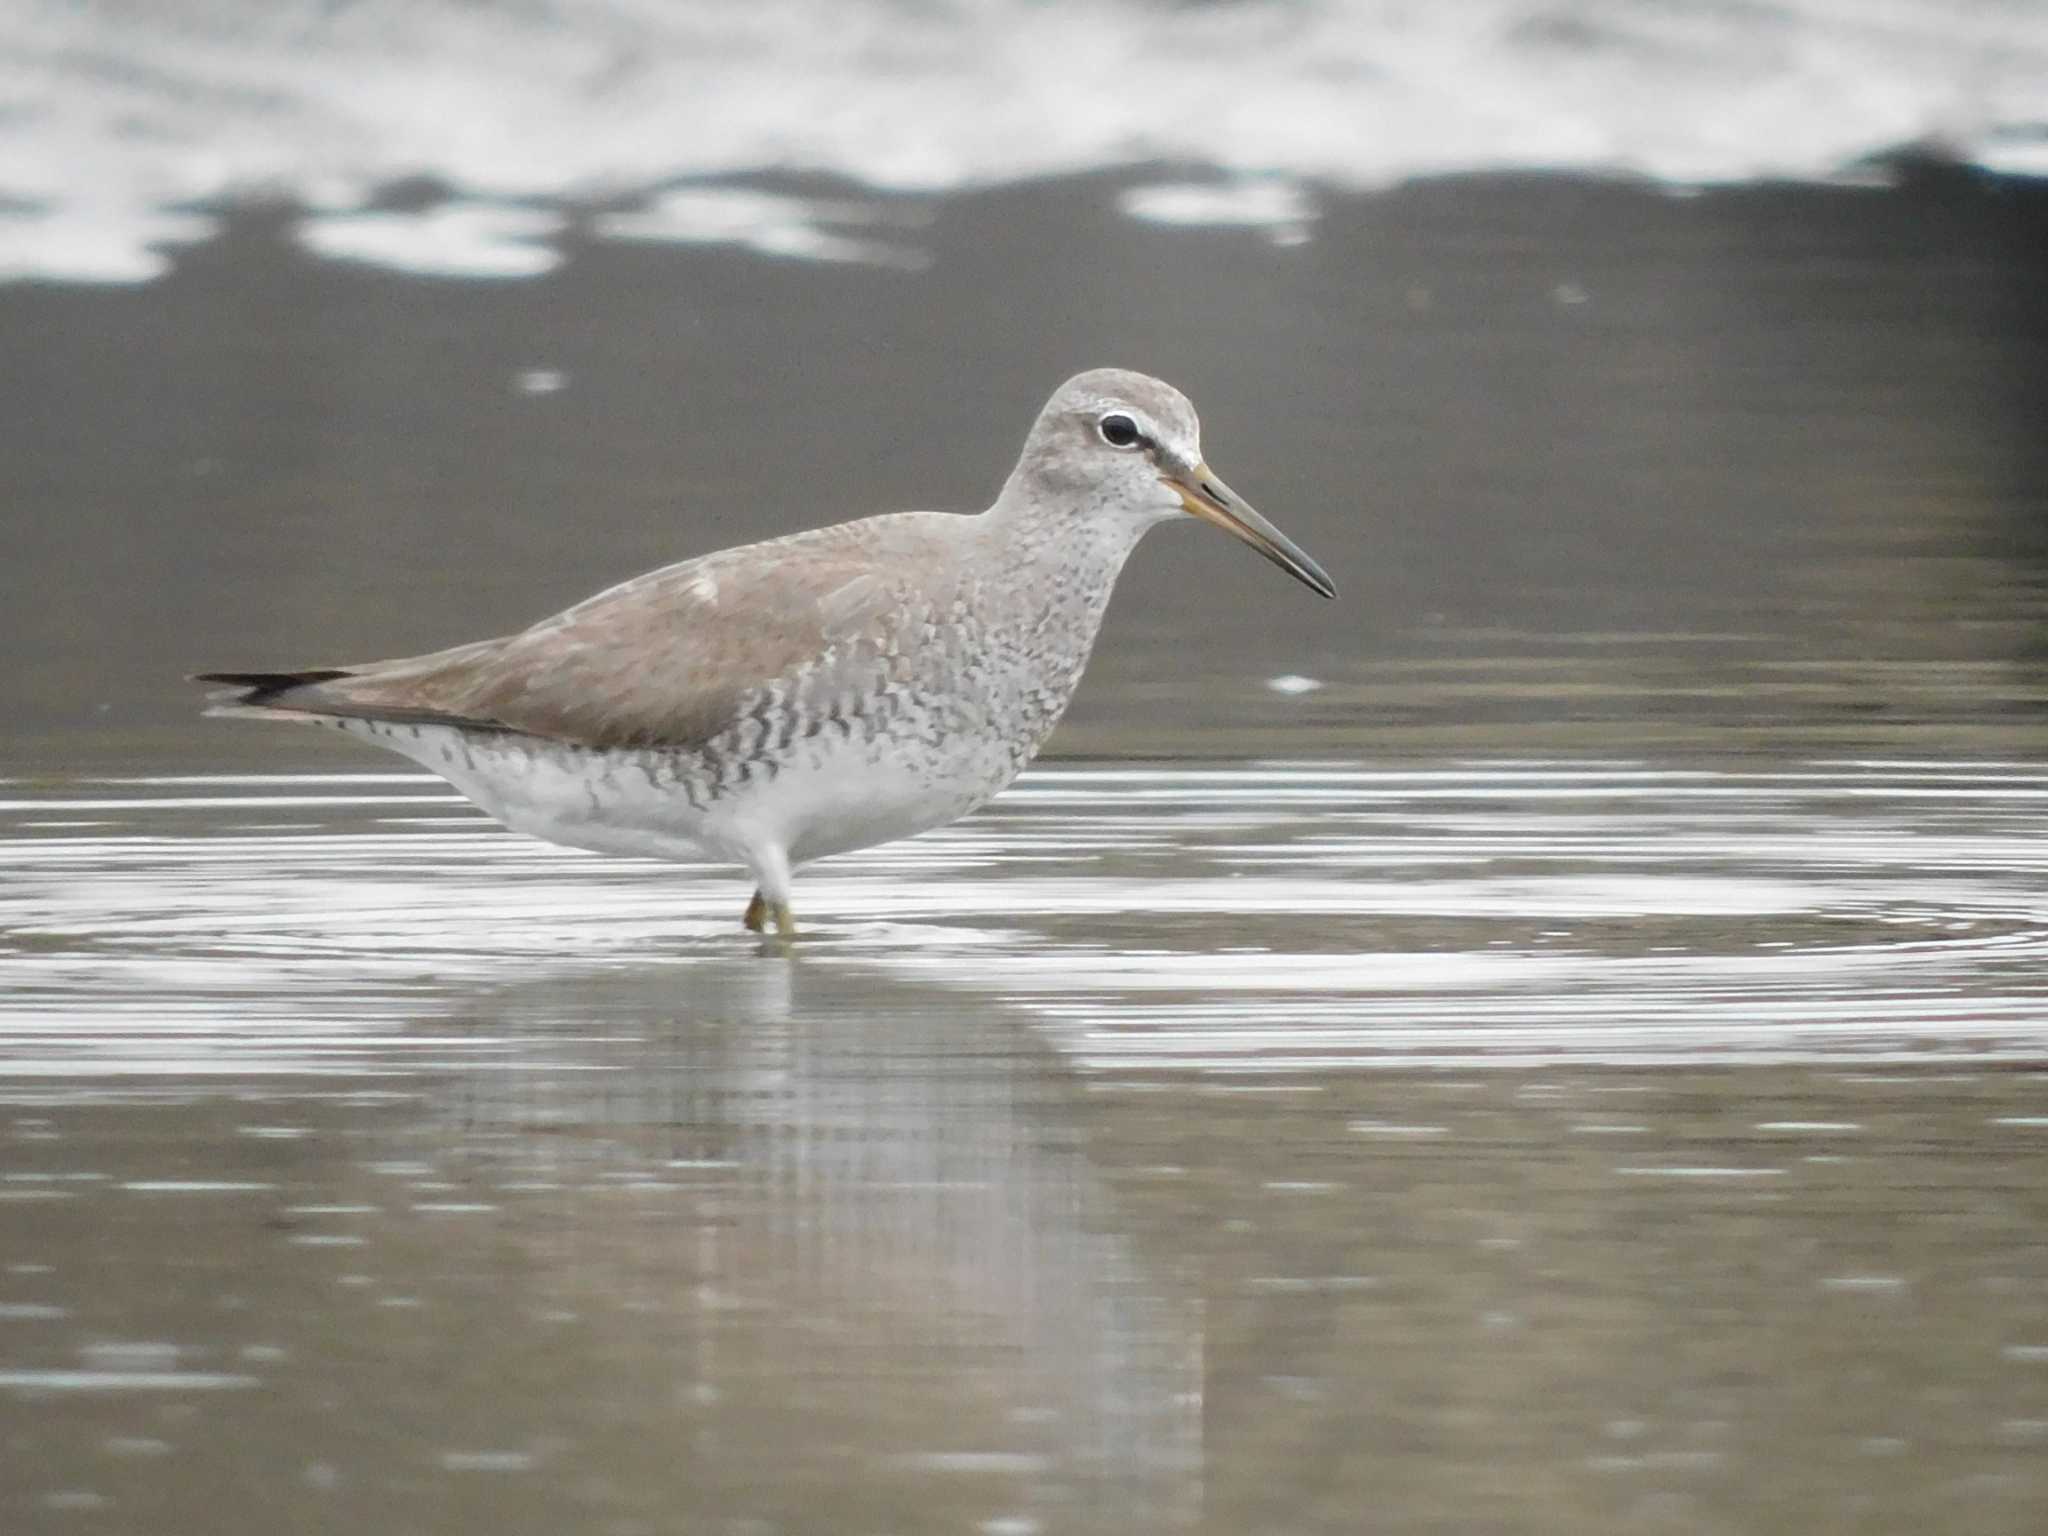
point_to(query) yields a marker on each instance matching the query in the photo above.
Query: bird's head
(1117, 444)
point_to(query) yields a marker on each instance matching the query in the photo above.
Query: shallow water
(1595, 1145)
(1598, 471)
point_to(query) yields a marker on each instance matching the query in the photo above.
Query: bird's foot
(761, 912)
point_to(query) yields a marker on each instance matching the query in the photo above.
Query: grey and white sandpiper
(807, 695)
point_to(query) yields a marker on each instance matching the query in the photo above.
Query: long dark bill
(1203, 494)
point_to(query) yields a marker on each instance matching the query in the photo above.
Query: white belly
(855, 798)
(824, 797)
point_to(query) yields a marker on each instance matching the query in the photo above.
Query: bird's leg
(770, 866)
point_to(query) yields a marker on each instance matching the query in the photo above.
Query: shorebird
(830, 690)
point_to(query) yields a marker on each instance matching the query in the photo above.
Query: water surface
(1455, 1145)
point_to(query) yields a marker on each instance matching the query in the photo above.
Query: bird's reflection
(816, 1236)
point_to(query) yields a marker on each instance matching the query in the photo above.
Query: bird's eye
(1119, 431)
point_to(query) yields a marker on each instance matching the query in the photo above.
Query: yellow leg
(761, 912)
(769, 864)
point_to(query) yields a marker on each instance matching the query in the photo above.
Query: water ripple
(1262, 917)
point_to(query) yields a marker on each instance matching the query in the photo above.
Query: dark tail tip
(265, 686)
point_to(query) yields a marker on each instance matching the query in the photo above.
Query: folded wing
(668, 659)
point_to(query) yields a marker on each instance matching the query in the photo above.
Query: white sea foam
(454, 240)
(770, 223)
(118, 125)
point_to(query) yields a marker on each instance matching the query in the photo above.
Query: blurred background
(1646, 374)
(1549, 1042)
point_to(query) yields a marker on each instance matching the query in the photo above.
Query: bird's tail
(250, 694)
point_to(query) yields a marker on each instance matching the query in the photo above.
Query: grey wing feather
(669, 658)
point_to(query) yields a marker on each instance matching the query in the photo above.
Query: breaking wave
(128, 128)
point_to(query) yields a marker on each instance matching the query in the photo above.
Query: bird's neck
(1055, 570)
(1081, 547)
(1039, 588)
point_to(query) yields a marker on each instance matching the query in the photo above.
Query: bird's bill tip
(1205, 495)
